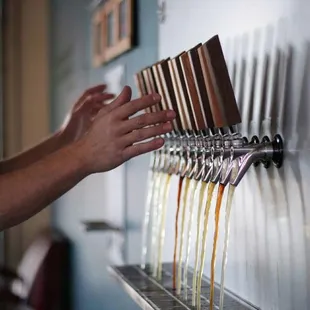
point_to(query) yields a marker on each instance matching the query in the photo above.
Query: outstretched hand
(84, 111)
(113, 136)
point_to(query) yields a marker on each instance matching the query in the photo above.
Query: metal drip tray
(150, 294)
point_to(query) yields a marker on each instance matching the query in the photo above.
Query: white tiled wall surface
(269, 250)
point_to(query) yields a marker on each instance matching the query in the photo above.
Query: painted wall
(25, 95)
(71, 73)
(269, 252)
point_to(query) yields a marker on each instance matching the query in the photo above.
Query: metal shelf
(150, 294)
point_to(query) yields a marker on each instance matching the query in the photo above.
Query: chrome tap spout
(266, 151)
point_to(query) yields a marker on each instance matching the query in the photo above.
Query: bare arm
(27, 191)
(112, 139)
(30, 156)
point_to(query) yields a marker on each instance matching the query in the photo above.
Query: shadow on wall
(270, 74)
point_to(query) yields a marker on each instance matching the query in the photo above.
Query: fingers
(146, 120)
(96, 89)
(142, 148)
(96, 102)
(108, 96)
(145, 133)
(95, 108)
(134, 106)
(91, 91)
(99, 98)
(123, 97)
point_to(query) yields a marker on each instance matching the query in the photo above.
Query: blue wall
(71, 73)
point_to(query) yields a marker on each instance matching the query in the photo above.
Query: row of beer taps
(205, 143)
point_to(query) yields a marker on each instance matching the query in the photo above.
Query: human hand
(84, 111)
(111, 139)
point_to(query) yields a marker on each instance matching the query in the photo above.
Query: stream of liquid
(215, 237)
(162, 227)
(155, 212)
(184, 200)
(230, 196)
(197, 248)
(176, 233)
(158, 219)
(147, 216)
(191, 202)
(211, 188)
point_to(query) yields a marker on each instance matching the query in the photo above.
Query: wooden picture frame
(115, 21)
(98, 33)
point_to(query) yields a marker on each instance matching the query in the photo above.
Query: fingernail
(160, 141)
(156, 97)
(167, 126)
(171, 114)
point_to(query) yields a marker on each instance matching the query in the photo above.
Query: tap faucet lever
(271, 151)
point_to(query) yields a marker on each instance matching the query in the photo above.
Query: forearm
(33, 154)
(27, 191)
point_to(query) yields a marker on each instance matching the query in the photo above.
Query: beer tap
(199, 105)
(223, 106)
(142, 91)
(180, 162)
(165, 77)
(164, 80)
(243, 157)
(266, 152)
(208, 133)
(155, 162)
(149, 88)
(187, 112)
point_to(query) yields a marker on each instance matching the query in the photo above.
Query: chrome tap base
(266, 162)
(212, 157)
(278, 151)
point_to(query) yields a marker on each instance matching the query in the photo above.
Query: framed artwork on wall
(114, 30)
(98, 28)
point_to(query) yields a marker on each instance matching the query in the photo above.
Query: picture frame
(98, 29)
(114, 28)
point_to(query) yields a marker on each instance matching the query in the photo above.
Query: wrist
(79, 153)
(63, 137)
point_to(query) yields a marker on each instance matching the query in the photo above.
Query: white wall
(269, 252)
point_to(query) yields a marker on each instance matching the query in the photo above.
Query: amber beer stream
(211, 188)
(176, 232)
(155, 215)
(230, 196)
(215, 238)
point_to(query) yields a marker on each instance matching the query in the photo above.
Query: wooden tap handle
(149, 86)
(159, 85)
(177, 92)
(138, 84)
(169, 91)
(141, 87)
(222, 98)
(217, 111)
(153, 86)
(199, 117)
(188, 112)
(201, 87)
